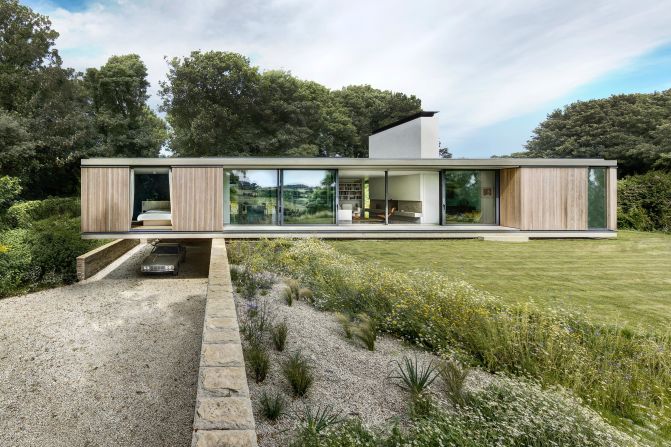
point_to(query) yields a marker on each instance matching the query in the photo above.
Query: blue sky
(493, 69)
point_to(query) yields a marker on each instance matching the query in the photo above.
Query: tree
(44, 119)
(127, 126)
(369, 109)
(210, 100)
(26, 47)
(634, 129)
(218, 104)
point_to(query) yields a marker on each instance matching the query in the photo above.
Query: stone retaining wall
(223, 415)
(97, 259)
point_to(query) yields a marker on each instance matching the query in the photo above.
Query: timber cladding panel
(197, 199)
(105, 200)
(553, 198)
(510, 204)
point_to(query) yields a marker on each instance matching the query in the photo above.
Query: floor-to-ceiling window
(250, 197)
(470, 197)
(596, 198)
(150, 199)
(308, 196)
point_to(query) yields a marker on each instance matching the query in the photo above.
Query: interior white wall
(376, 188)
(415, 139)
(405, 187)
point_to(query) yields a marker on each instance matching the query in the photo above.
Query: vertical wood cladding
(554, 198)
(544, 198)
(510, 203)
(197, 198)
(105, 195)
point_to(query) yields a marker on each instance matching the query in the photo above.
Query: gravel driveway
(107, 363)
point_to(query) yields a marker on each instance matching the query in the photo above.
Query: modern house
(402, 190)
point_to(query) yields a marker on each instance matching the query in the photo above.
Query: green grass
(625, 281)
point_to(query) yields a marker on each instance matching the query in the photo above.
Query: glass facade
(596, 198)
(250, 197)
(308, 196)
(470, 197)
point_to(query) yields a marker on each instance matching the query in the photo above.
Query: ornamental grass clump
(346, 323)
(612, 370)
(287, 295)
(278, 334)
(272, 405)
(414, 376)
(306, 295)
(365, 331)
(454, 377)
(298, 372)
(294, 286)
(318, 419)
(258, 361)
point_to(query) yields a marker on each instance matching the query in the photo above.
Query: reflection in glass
(470, 197)
(309, 196)
(251, 196)
(596, 198)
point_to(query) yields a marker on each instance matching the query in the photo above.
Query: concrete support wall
(223, 414)
(94, 261)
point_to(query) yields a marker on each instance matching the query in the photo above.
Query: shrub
(258, 360)
(298, 373)
(644, 202)
(272, 405)
(55, 244)
(346, 323)
(10, 188)
(279, 335)
(15, 262)
(305, 294)
(366, 331)
(454, 376)
(287, 296)
(413, 376)
(24, 214)
(627, 375)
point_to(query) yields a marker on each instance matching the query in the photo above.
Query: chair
(382, 215)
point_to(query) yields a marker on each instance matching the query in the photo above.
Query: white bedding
(154, 215)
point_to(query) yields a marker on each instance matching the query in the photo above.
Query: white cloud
(477, 62)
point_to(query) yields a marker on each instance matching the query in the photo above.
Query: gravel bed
(348, 377)
(105, 363)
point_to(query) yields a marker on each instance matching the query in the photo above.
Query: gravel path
(349, 378)
(106, 363)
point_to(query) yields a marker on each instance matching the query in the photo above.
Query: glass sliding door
(596, 198)
(470, 197)
(250, 197)
(308, 196)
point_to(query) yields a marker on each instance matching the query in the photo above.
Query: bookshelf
(351, 190)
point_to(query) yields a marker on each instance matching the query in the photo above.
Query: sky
(494, 70)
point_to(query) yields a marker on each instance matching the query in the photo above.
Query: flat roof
(325, 162)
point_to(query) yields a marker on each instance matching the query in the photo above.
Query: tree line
(215, 103)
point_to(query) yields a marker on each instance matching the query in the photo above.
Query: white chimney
(415, 136)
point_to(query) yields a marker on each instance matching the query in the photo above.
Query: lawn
(627, 280)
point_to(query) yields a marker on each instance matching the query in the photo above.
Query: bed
(155, 213)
